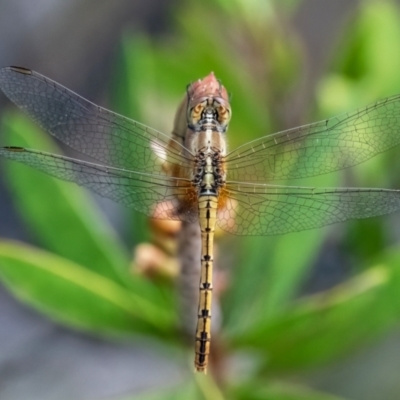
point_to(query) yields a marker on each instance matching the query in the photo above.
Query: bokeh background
(311, 315)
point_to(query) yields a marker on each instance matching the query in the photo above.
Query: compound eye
(224, 115)
(196, 112)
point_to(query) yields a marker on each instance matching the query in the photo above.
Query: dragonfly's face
(208, 101)
(210, 109)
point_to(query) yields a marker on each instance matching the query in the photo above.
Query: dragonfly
(192, 177)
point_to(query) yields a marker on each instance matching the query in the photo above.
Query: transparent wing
(252, 209)
(318, 148)
(104, 136)
(156, 196)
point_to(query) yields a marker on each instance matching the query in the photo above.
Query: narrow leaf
(72, 294)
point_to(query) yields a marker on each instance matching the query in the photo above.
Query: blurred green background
(310, 315)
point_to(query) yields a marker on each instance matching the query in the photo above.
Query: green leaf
(247, 391)
(278, 391)
(72, 294)
(200, 387)
(60, 215)
(368, 54)
(366, 64)
(323, 327)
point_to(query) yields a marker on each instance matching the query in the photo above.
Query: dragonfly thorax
(208, 173)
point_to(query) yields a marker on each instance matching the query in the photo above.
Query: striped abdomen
(207, 217)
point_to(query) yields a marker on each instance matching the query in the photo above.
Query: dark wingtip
(13, 148)
(21, 70)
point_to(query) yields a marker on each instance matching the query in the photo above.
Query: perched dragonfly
(192, 177)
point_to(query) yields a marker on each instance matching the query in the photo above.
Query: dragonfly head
(208, 101)
(209, 109)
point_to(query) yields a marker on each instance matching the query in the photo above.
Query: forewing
(156, 196)
(104, 136)
(252, 209)
(318, 148)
